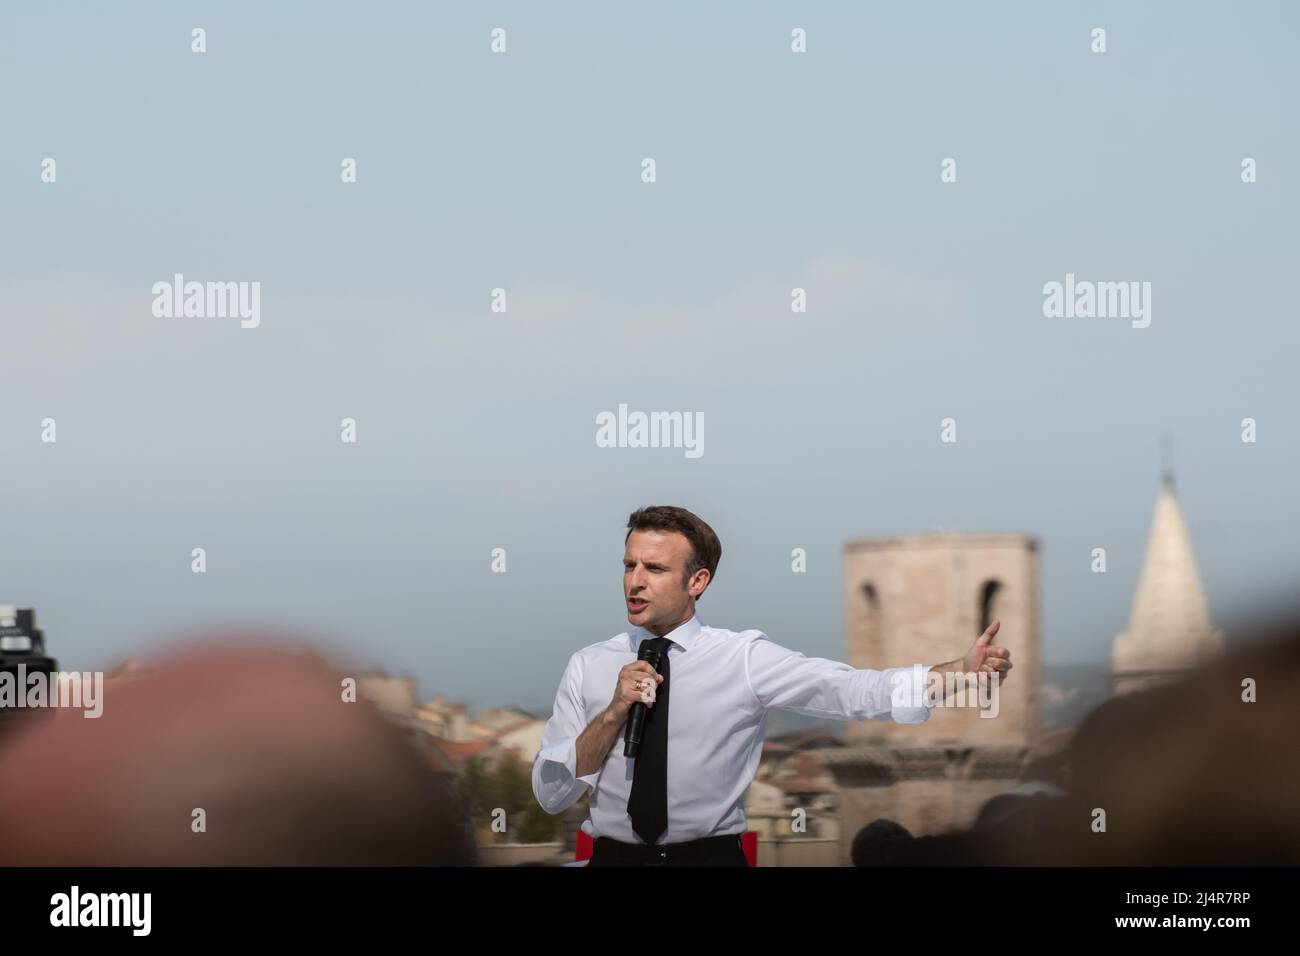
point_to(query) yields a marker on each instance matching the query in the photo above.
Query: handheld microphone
(636, 716)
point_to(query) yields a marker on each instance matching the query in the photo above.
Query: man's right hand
(628, 690)
(595, 742)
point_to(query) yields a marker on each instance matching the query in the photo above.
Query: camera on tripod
(22, 653)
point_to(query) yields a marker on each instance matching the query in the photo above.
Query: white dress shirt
(722, 685)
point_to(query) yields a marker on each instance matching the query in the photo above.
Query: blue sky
(476, 430)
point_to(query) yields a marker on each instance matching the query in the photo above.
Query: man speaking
(672, 792)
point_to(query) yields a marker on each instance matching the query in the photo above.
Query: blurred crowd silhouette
(254, 738)
(1188, 773)
(254, 733)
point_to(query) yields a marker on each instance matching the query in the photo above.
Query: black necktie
(648, 803)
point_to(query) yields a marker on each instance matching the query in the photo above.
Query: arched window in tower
(992, 596)
(869, 621)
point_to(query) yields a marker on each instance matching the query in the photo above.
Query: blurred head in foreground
(1189, 773)
(1186, 774)
(881, 843)
(256, 736)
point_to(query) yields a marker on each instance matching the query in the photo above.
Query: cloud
(84, 335)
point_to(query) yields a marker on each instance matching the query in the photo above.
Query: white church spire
(1169, 626)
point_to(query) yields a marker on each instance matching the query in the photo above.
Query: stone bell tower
(925, 599)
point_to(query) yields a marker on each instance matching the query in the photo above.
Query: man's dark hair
(706, 549)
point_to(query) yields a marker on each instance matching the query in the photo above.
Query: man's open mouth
(636, 604)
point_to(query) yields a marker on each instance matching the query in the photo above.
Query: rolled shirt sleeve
(556, 784)
(910, 703)
(785, 679)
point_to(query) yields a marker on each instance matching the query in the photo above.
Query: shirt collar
(684, 635)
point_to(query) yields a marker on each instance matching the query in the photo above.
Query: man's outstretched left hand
(988, 658)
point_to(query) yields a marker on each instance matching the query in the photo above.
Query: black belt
(617, 853)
